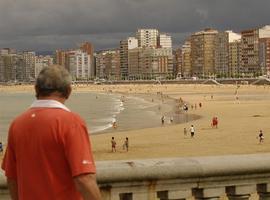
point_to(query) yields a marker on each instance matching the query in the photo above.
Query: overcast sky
(50, 24)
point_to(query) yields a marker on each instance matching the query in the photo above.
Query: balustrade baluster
(208, 193)
(241, 192)
(264, 191)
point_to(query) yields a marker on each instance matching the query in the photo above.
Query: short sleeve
(78, 149)
(9, 161)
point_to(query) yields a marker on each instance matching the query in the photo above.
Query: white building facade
(80, 65)
(125, 46)
(164, 41)
(147, 37)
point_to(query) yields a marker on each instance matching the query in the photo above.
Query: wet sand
(239, 122)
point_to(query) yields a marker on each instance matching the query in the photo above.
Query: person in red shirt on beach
(49, 152)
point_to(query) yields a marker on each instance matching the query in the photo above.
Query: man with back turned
(49, 152)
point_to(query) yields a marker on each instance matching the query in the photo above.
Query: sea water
(99, 110)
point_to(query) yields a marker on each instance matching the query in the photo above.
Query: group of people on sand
(125, 145)
(192, 131)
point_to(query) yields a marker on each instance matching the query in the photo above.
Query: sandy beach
(242, 111)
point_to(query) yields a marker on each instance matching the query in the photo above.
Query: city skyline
(46, 26)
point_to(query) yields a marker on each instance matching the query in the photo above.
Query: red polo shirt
(47, 147)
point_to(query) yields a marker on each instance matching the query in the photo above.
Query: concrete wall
(235, 176)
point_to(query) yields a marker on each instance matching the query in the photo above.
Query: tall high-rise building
(203, 45)
(29, 64)
(134, 67)
(177, 61)
(79, 64)
(147, 37)
(108, 64)
(234, 54)
(147, 55)
(11, 67)
(222, 54)
(41, 62)
(186, 58)
(88, 48)
(61, 57)
(264, 55)
(164, 58)
(125, 46)
(250, 49)
(164, 41)
(150, 62)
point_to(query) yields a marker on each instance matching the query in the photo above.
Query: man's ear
(68, 92)
(37, 91)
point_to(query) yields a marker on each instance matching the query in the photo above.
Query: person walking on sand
(162, 119)
(185, 131)
(49, 148)
(261, 137)
(126, 144)
(192, 131)
(113, 142)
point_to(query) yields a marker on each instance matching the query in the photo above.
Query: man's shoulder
(54, 113)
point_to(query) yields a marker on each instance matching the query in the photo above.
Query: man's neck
(55, 98)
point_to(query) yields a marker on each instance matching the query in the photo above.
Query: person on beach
(214, 122)
(126, 144)
(192, 131)
(162, 119)
(114, 125)
(113, 142)
(1, 147)
(49, 148)
(171, 119)
(185, 131)
(261, 137)
(200, 104)
(185, 107)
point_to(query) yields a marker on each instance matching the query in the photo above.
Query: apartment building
(177, 61)
(29, 65)
(134, 67)
(41, 62)
(79, 64)
(88, 48)
(164, 41)
(108, 64)
(147, 37)
(125, 46)
(186, 59)
(150, 62)
(234, 59)
(12, 67)
(203, 46)
(61, 58)
(264, 55)
(250, 50)
(222, 54)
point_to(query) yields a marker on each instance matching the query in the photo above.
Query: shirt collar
(48, 104)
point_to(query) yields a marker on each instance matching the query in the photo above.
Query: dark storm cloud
(51, 24)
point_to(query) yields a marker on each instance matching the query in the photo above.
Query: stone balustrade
(237, 177)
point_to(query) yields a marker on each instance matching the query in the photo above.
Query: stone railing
(235, 177)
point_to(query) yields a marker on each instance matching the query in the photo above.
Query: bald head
(53, 80)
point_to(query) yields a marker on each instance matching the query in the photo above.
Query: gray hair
(54, 78)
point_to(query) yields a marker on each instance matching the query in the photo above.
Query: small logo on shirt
(86, 162)
(33, 115)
